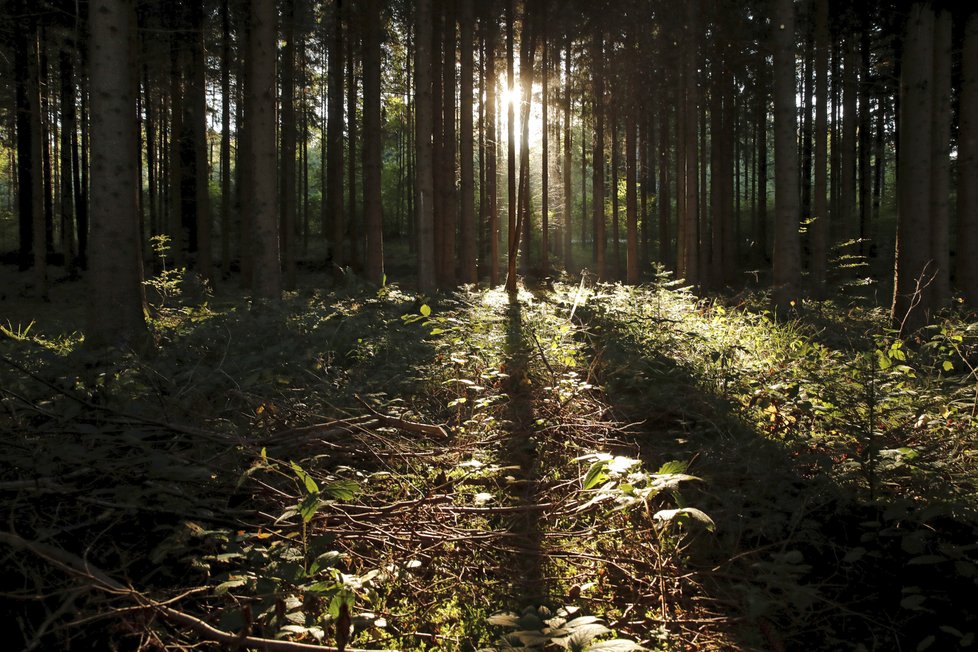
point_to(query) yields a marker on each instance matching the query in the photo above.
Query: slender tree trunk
(523, 219)
(116, 301)
(372, 210)
(287, 195)
(631, 179)
(914, 267)
(198, 101)
(36, 161)
(787, 250)
(545, 160)
(940, 209)
(819, 226)
(512, 234)
(664, 201)
(688, 267)
(449, 191)
(68, 127)
(615, 203)
(761, 232)
(967, 240)
(568, 162)
(597, 149)
(424, 115)
(25, 147)
(352, 234)
(850, 119)
(225, 137)
(467, 225)
(492, 144)
(260, 113)
(334, 137)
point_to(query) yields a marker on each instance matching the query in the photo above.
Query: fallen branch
(79, 567)
(402, 424)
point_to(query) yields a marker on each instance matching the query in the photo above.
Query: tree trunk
(819, 226)
(847, 198)
(967, 241)
(372, 210)
(663, 200)
(334, 136)
(447, 175)
(492, 34)
(225, 137)
(198, 105)
(116, 302)
(25, 147)
(287, 196)
(631, 191)
(914, 267)
(424, 115)
(688, 266)
(597, 152)
(68, 127)
(545, 160)
(940, 191)
(467, 225)
(787, 250)
(351, 233)
(512, 236)
(568, 156)
(260, 113)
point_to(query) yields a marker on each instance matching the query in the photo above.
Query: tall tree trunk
(865, 137)
(37, 187)
(631, 179)
(597, 150)
(568, 156)
(545, 158)
(614, 114)
(819, 226)
(850, 84)
(225, 137)
(175, 216)
(967, 240)
(940, 190)
(287, 196)
(492, 144)
(116, 302)
(512, 235)
(688, 266)
(260, 113)
(334, 136)
(467, 225)
(198, 105)
(372, 210)
(663, 200)
(523, 217)
(761, 226)
(914, 267)
(424, 115)
(351, 234)
(25, 147)
(787, 250)
(447, 176)
(68, 127)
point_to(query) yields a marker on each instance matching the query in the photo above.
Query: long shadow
(528, 585)
(797, 561)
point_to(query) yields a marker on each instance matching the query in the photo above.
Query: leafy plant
(538, 628)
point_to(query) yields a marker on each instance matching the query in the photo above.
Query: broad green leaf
(342, 489)
(596, 474)
(305, 478)
(425, 310)
(667, 515)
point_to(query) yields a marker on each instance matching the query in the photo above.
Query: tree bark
(260, 113)
(372, 134)
(334, 136)
(967, 241)
(914, 267)
(597, 153)
(512, 236)
(819, 226)
(940, 191)
(116, 301)
(424, 114)
(787, 250)
(287, 195)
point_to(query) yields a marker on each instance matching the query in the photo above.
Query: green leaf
(425, 310)
(675, 466)
(305, 478)
(948, 365)
(308, 507)
(596, 474)
(913, 602)
(342, 489)
(667, 515)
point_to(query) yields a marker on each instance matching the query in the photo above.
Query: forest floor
(581, 466)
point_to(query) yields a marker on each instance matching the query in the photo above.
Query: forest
(594, 325)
